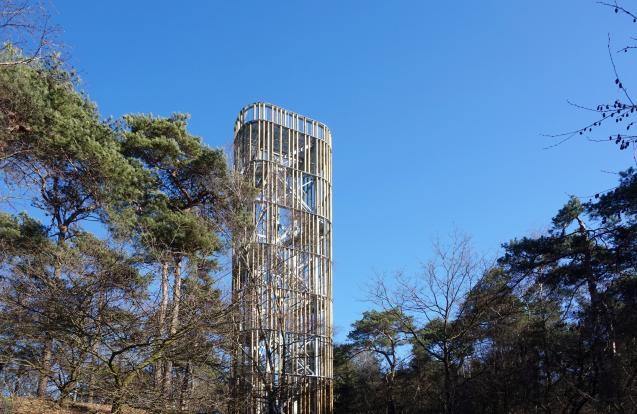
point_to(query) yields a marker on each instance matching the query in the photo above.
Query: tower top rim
(268, 115)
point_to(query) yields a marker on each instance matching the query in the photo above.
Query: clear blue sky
(437, 108)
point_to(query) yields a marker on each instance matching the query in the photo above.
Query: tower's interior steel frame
(282, 279)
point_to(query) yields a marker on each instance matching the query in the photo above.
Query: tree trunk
(597, 345)
(186, 388)
(161, 323)
(174, 322)
(91, 381)
(117, 406)
(389, 379)
(43, 380)
(47, 355)
(448, 399)
(273, 407)
(95, 346)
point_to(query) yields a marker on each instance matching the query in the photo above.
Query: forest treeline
(110, 282)
(551, 327)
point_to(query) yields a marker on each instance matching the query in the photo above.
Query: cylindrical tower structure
(282, 275)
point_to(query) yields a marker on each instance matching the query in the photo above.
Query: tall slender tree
(182, 214)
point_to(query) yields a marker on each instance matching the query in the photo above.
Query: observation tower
(282, 271)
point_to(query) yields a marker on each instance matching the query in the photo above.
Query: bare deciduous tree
(26, 33)
(436, 299)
